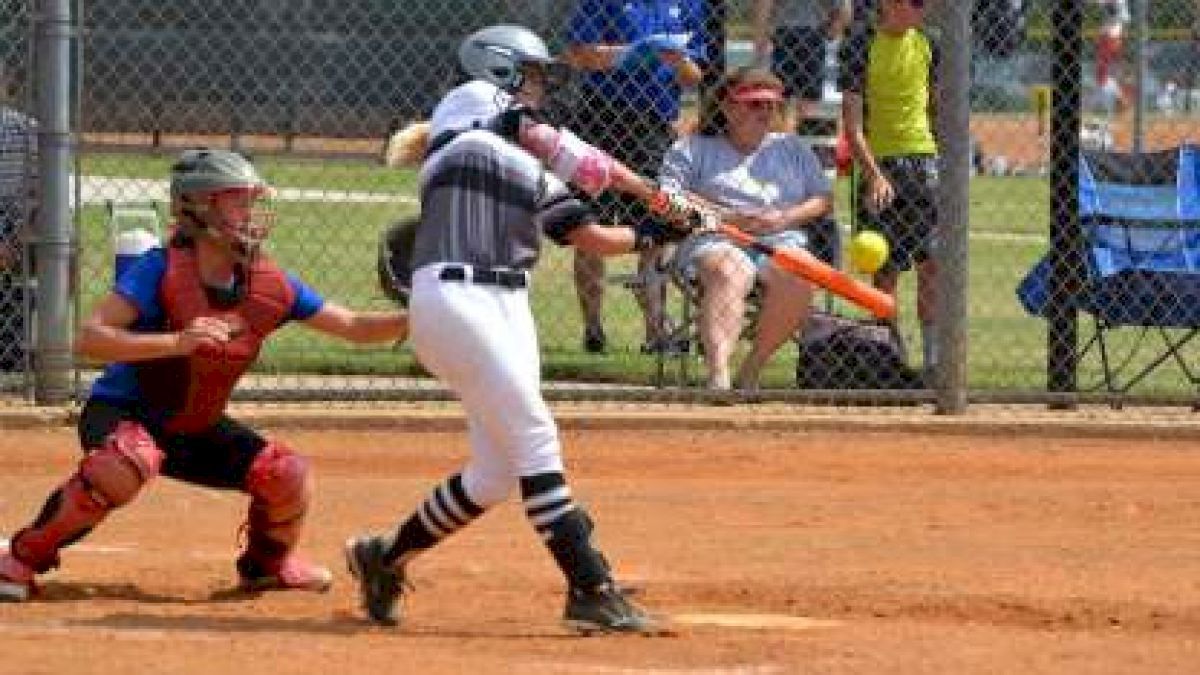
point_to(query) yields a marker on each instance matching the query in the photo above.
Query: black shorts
(799, 60)
(635, 137)
(218, 457)
(910, 221)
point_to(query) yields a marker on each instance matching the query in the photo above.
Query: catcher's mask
(219, 194)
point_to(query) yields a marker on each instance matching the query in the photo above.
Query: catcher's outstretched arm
(359, 327)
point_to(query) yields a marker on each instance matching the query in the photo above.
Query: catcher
(178, 330)
(493, 184)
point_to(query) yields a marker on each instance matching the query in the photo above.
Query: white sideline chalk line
(99, 189)
(88, 548)
(754, 621)
(120, 549)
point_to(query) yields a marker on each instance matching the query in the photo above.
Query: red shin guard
(279, 487)
(110, 476)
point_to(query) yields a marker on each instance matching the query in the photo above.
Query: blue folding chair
(1140, 214)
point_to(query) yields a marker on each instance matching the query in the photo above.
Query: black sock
(445, 511)
(566, 529)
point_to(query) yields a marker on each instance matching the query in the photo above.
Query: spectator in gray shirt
(772, 186)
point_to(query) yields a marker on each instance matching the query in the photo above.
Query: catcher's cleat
(607, 609)
(380, 584)
(289, 573)
(16, 578)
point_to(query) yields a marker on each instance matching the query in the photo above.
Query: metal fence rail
(312, 88)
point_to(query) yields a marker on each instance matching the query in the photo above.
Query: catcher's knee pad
(109, 477)
(280, 489)
(116, 470)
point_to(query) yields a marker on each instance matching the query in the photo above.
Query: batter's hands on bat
(685, 212)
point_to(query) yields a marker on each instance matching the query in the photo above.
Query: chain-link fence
(312, 89)
(17, 158)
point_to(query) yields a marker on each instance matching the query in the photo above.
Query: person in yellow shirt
(888, 81)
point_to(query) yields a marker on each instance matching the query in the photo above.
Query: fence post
(52, 245)
(1141, 65)
(954, 139)
(1066, 259)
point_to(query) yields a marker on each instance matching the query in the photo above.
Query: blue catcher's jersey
(139, 285)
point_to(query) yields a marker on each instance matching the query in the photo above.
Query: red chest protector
(193, 391)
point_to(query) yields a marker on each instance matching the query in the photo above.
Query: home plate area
(765, 551)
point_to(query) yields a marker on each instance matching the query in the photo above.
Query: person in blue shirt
(637, 56)
(179, 329)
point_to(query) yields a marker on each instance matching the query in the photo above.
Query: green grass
(332, 246)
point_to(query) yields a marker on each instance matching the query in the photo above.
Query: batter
(487, 199)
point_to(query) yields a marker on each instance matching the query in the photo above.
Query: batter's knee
(116, 471)
(279, 478)
(487, 488)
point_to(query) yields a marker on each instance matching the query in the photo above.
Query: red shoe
(290, 573)
(16, 578)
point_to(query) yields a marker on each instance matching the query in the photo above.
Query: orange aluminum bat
(804, 264)
(799, 262)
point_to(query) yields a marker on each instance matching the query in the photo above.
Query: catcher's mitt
(395, 259)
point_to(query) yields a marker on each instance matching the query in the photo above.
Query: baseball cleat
(380, 584)
(16, 578)
(607, 609)
(290, 573)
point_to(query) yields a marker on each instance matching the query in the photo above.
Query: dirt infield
(908, 553)
(1016, 137)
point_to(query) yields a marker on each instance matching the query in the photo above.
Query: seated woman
(771, 185)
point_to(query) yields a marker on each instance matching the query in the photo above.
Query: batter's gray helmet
(496, 54)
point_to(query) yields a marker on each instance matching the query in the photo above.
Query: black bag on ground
(838, 352)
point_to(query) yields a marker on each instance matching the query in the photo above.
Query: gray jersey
(487, 202)
(782, 172)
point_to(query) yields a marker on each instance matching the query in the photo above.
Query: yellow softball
(868, 252)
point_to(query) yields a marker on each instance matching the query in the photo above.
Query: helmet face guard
(554, 74)
(239, 218)
(220, 194)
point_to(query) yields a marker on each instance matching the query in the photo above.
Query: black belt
(486, 276)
